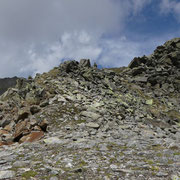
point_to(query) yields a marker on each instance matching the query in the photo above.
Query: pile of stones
(161, 69)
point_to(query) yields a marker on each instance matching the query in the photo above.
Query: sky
(37, 35)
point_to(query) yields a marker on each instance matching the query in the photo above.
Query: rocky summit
(81, 122)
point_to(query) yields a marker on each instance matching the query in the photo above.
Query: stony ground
(131, 151)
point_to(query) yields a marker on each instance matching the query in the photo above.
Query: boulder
(20, 128)
(92, 125)
(34, 109)
(137, 70)
(69, 66)
(91, 115)
(85, 63)
(33, 136)
(137, 61)
(143, 79)
(22, 114)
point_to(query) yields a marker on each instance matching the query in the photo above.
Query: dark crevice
(16, 139)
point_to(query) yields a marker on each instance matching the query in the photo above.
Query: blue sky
(37, 35)
(151, 22)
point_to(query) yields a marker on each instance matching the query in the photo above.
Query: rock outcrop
(96, 123)
(161, 69)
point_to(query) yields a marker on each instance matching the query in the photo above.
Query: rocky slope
(80, 122)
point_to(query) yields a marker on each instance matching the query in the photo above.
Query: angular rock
(85, 63)
(53, 140)
(34, 109)
(143, 79)
(137, 70)
(20, 128)
(22, 114)
(92, 115)
(93, 125)
(33, 136)
(137, 61)
(5, 122)
(149, 101)
(69, 66)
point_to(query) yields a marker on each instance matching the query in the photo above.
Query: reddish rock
(33, 136)
(2, 131)
(6, 143)
(20, 127)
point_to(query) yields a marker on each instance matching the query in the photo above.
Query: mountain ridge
(115, 122)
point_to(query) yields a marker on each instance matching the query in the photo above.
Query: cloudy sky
(36, 35)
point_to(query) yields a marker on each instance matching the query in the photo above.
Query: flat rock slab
(92, 115)
(54, 140)
(33, 136)
(141, 79)
(92, 125)
(5, 153)
(149, 102)
(7, 174)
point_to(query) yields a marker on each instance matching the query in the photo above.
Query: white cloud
(37, 35)
(170, 6)
(77, 45)
(74, 45)
(119, 52)
(105, 52)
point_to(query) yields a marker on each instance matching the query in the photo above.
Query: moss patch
(29, 174)
(174, 115)
(177, 154)
(157, 147)
(150, 162)
(154, 168)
